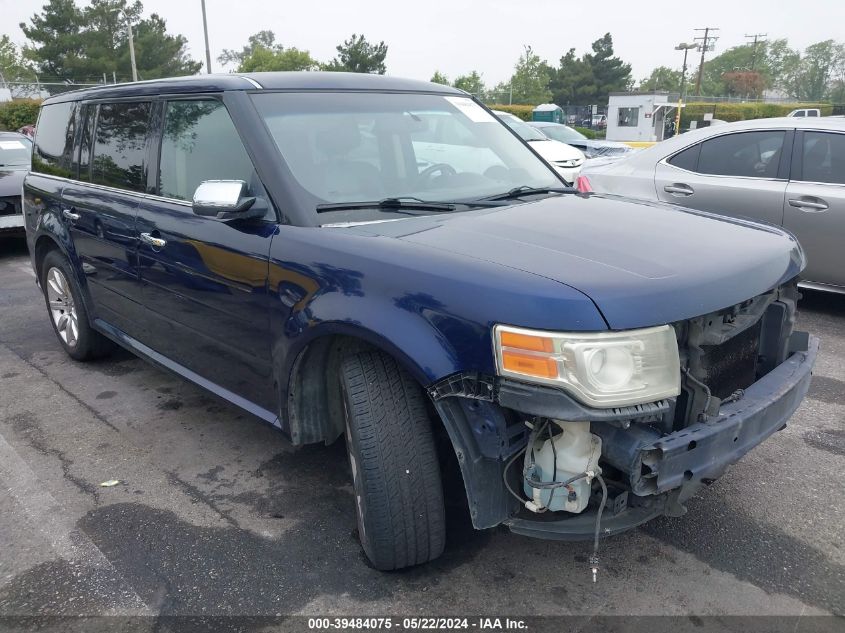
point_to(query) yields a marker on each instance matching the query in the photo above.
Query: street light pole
(683, 46)
(205, 31)
(131, 49)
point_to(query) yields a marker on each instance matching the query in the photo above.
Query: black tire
(89, 343)
(395, 471)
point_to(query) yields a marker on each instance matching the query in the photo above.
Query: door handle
(155, 242)
(678, 189)
(70, 215)
(808, 205)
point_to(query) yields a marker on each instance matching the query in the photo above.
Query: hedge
(522, 111)
(742, 111)
(15, 114)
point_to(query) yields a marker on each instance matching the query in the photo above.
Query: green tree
(821, 64)
(662, 78)
(471, 83)
(530, 79)
(80, 44)
(13, 66)
(572, 81)
(263, 53)
(610, 73)
(357, 55)
(440, 78)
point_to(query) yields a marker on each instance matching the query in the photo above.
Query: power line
(708, 43)
(757, 38)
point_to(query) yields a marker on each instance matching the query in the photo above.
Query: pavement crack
(96, 414)
(198, 496)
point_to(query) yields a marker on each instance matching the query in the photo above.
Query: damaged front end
(536, 459)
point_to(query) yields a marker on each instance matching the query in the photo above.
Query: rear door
(204, 280)
(100, 207)
(814, 209)
(740, 174)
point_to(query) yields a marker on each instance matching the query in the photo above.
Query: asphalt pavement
(217, 515)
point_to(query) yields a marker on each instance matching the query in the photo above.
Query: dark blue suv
(382, 259)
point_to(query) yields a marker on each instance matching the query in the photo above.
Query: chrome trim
(252, 81)
(133, 194)
(814, 285)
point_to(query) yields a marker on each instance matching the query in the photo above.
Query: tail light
(582, 185)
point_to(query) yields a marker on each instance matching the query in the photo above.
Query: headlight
(601, 369)
(568, 163)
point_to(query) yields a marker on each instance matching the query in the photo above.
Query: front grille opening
(10, 205)
(733, 364)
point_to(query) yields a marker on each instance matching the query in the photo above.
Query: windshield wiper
(388, 204)
(524, 190)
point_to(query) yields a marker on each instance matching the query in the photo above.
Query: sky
(458, 36)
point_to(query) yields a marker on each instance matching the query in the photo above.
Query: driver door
(204, 279)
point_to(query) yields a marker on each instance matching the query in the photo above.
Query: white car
(566, 159)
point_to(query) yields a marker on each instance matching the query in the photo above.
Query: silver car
(787, 171)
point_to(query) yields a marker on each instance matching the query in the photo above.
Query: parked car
(805, 112)
(272, 238)
(592, 148)
(15, 152)
(597, 121)
(789, 172)
(564, 158)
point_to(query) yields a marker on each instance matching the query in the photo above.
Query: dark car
(586, 363)
(15, 153)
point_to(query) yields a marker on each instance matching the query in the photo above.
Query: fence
(41, 89)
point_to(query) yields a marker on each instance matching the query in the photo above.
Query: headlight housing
(600, 369)
(569, 163)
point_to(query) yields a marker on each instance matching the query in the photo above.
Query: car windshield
(562, 133)
(523, 130)
(358, 147)
(15, 151)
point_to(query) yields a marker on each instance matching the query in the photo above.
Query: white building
(639, 116)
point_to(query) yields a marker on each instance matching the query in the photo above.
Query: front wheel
(395, 471)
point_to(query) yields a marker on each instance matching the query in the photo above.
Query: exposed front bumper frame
(684, 461)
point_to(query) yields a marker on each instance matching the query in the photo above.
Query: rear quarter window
(686, 159)
(54, 140)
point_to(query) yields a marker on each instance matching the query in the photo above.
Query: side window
(800, 113)
(54, 139)
(824, 157)
(687, 159)
(200, 143)
(120, 145)
(86, 123)
(745, 154)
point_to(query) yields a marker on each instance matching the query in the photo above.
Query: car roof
(257, 81)
(5, 134)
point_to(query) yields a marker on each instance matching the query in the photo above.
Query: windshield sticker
(471, 109)
(12, 145)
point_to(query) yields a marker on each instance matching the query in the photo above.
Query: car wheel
(395, 471)
(67, 312)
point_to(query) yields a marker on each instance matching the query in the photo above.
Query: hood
(555, 151)
(11, 180)
(641, 263)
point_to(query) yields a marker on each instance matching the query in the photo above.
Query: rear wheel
(395, 471)
(67, 312)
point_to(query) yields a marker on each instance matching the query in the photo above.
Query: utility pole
(131, 49)
(708, 43)
(683, 46)
(205, 31)
(756, 37)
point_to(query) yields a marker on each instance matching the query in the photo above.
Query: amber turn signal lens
(527, 342)
(538, 366)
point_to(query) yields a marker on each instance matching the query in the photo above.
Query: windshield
(562, 133)
(15, 151)
(525, 131)
(359, 147)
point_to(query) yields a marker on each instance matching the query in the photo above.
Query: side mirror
(224, 200)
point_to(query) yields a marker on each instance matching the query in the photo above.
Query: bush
(15, 114)
(743, 111)
(522, 111)
(590, 134)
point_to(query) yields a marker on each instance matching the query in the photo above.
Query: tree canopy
(262, 53)
(357, 55)
(592, 77)
(78, 44)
